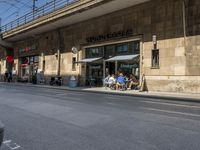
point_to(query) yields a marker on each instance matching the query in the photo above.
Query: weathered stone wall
(193, 37)
(179, 63)
(2, 58)
(193, 17)
(193, 55)
(172, 58)
(2, 69)
(158, 17)
(182, 84)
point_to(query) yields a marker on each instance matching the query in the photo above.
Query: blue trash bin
(73, 82)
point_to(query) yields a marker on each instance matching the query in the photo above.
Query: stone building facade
(174, 24)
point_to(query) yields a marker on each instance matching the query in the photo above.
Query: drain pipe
(184, 32)
(184, 18)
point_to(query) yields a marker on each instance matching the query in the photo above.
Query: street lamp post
(34, 7)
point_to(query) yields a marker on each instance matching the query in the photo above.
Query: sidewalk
(103, 90)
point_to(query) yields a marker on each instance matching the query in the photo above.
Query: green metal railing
(37, 13)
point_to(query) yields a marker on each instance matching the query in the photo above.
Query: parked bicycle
(56, 81)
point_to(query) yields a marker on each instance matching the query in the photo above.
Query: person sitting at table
(120, 81)
(112, 81)
(106, 83)
(133, 82)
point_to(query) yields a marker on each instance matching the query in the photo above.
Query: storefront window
(29, 65)
(25, 71)
(109, 51)
(135, 47)
(129, 67)
(27, 49)
(126, 65)
(122, 48)
(94, 52)
(31, 60)
(96, 72)
(36, 59)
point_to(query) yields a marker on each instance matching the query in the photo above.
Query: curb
(165, 97)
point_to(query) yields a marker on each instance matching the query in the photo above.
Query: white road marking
(61, 94)
(171, 112)
(110, 103)
(73, 98)
(11, 145)
(171, 104)
(7, 141)
(17, 147)
(75, 93)
(112, 97)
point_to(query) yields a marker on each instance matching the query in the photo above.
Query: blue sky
(12, 9)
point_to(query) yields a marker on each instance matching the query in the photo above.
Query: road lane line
(110, 97)
(17, 147)
(75, 93)
(73, 98)
(171, 104)
(7, 141)
(171, 112)
(11, 145)
(110, 103)
(61, 94)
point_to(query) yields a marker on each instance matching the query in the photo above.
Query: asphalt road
(49, 119)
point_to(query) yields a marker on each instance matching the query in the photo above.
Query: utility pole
(34, 8)
(34, 5)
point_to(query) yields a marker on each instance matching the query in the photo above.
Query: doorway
(110, 68)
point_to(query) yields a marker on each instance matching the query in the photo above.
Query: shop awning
(88, 60)
(123, 57)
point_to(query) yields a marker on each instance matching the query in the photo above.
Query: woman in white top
(111, 80)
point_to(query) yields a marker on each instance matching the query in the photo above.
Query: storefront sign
(129, 66)
(109, 36)
(27, 49)
(10, 58)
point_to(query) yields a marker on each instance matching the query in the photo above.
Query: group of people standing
(10, 76)
(120, 81)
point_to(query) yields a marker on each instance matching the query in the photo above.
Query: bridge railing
(37, 13)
